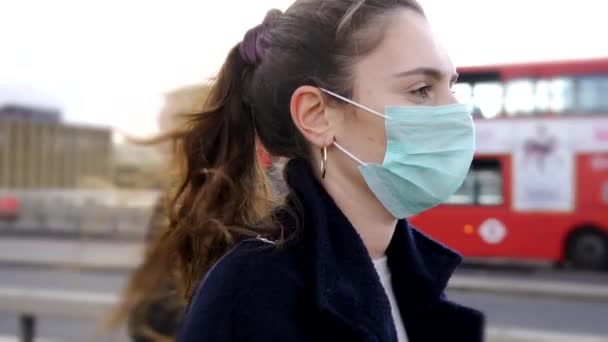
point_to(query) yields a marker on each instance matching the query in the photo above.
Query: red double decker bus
(538, 187)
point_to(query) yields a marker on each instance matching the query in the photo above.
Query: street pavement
(511, 318)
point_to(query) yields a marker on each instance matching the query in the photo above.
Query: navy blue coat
(322, 286)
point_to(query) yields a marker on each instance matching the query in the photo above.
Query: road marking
(513, 334)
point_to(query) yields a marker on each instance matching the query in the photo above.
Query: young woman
(356, 95)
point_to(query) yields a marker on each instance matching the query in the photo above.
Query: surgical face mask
(428, 153)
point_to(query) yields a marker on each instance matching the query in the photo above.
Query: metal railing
(107, 214)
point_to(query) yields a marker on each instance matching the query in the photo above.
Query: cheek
(377, 140)
(368, 138)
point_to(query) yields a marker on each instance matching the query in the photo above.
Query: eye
(422, 92)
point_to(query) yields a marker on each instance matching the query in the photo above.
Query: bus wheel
(588, 249)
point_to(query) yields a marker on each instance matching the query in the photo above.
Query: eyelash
(422, 92)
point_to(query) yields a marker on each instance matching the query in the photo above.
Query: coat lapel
(347, 287)
(421, 269)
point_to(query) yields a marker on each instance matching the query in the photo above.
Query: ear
(309, 114)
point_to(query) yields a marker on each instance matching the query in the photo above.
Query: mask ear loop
(352, 156)
(347, 100)
(349, 154)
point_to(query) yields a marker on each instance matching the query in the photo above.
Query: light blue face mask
(428, 153)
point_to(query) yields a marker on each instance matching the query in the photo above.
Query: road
(60, 329)
(502, 310)
(547, 314)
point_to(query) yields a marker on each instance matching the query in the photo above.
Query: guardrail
(80, 253)
(110, 214)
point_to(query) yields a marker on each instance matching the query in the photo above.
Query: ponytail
(222, 193)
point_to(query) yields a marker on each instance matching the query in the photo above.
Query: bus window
(605, 193)
(465, 195)
(483, 185)
(489, 187)
(519, 97)
(592, 92)
(488, 182)
(543, 95)
(562, 95)
(554, 95)
(488, 98)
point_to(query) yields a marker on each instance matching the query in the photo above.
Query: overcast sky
(109, 61)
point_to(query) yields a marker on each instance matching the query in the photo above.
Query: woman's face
(407, 68)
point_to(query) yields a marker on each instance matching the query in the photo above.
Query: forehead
(408, 43)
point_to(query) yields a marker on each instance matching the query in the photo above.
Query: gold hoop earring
(323, 161)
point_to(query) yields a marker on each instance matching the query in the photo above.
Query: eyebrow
(431, 72)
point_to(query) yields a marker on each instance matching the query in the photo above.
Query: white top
(384, 273)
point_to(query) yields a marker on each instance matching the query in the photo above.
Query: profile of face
(408, 68)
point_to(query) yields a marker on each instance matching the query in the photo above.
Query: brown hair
(222, 192)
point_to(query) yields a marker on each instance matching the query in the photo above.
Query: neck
(374, 224)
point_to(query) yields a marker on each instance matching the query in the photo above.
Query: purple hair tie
(256, 40)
